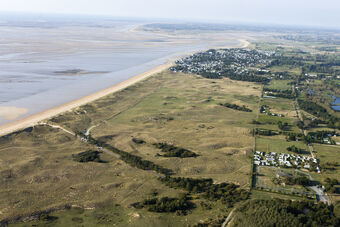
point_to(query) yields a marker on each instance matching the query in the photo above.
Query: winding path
(59, 127)
(101, 148)
(229, 218)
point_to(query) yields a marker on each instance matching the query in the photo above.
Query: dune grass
(38, 172)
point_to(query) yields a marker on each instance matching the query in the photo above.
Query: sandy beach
(36, 118)
(13, 112)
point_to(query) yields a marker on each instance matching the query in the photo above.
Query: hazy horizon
(310, 13)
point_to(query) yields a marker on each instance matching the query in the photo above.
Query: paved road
(320, 195)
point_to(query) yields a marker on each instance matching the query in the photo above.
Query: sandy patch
(11, 112)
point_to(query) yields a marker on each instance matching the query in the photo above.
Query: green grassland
(279, 84)
(280, 106)
(277, 144)
(265, 45)
(287, 68)
(337, 82)
(38, 172)
(271, 122)
(329, 153)
(268, 173)
(266, 195)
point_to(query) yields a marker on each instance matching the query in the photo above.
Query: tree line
(265, 132)
(319, 111)
(331, 185)
(165, 204)
(228, 193)
(128, 158)
(319, 136)
(278, 212)
(236, 107)
(173, 151)
(87, 156)
(295, 149)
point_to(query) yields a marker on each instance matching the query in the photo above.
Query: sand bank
(11, 112)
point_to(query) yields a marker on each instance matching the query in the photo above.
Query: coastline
(34, 119)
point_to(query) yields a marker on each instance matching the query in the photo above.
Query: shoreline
(34, 119)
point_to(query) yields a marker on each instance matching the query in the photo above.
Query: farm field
(267, 174)
(278, 144)
(280, 106)
(329, 154)
(280, 84)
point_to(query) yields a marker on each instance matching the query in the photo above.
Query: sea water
(32, 53)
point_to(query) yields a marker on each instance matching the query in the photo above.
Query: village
(218, 62)
(286, 160)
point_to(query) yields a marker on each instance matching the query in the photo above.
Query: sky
(320, 13)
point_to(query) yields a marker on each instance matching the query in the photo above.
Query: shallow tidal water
(30, 56)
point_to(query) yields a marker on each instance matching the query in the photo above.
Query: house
(288, 164)
(318, 169)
